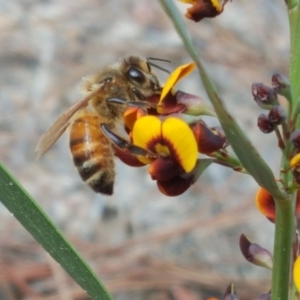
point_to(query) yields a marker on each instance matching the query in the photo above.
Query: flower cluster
(173, 137)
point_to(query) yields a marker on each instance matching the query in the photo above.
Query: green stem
(294, 20)
(225, 159)
(284, 229)
(285, 223)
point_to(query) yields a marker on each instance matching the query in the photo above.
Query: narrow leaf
(37, 223)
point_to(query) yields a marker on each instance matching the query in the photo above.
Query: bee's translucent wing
(62, 123)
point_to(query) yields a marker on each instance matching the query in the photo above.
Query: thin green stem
(294, 20)
(285, 223)
(225, 159)
(284, 230)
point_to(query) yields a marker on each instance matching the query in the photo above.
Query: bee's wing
(62, 123)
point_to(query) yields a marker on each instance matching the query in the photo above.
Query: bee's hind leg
(125, 145)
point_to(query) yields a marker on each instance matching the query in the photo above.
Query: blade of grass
(239, 142)
(37, 223)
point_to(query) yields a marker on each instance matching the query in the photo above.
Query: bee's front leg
(125, 145)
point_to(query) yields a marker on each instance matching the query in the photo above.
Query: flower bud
(255, 253)
(193, 105)
(264, 124)
(264, 96)
(207, 140)
(277, 115)
(295, 138)
(280, 84)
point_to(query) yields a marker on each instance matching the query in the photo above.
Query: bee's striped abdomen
(92, 153)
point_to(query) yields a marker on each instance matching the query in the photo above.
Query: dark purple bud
(264, 124)
(264, 96)
(255, 253)
(220, 132)
(277, 115)
(193, 105)
(295, 138)
(296, 174)
(280, 83)
(207, 140)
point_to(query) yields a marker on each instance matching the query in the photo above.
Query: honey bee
(96, 121)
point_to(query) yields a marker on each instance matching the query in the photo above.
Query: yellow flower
(170, 139)
(173, 143)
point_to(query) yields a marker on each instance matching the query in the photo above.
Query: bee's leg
(125, 145)
(138, 94)
(116, 101)
(143, 100)
(142, 104)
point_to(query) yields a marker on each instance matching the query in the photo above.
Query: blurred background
(142, 244)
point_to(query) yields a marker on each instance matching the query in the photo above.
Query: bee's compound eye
(136, 75)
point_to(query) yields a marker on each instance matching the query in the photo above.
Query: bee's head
(138, 71)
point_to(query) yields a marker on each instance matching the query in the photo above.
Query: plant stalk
(284, 229)
(294, 21)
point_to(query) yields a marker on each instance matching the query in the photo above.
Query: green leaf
(239, 142)
(37, 223)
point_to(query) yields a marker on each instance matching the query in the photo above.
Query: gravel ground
(46, 48)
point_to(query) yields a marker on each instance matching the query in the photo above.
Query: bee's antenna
(160, 59)
(157, 66)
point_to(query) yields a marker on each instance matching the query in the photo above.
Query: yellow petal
(131, 115)
(217, 5)
(146, 129)
(295, 160)
(296, 273)
(175, 76)
(188, 1)
(179, 134)
(265, 203)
